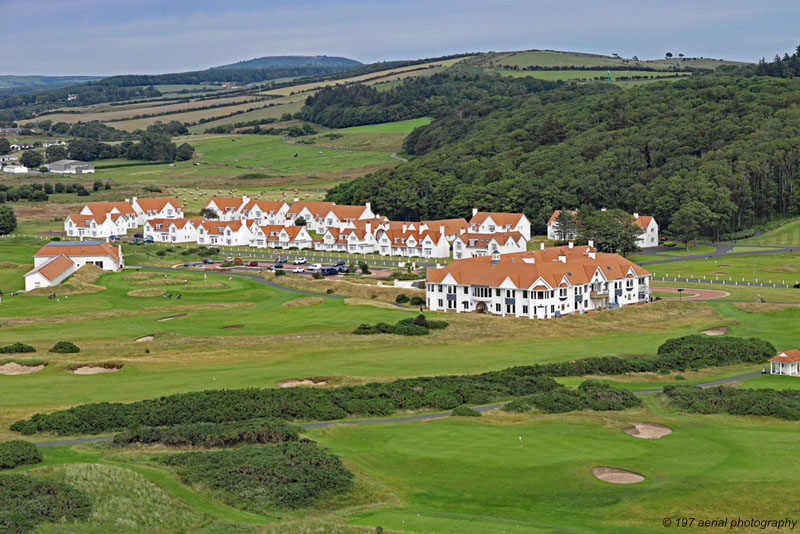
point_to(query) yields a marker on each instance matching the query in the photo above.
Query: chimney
(593, 254)
(405, 227)
(541, 245)
(368, 228)
(245, 199)
(571, 244)
(562, 258)
(591, 243)
(441, 229)
(296, 199)
(635, 215)
(128, 200)
(474, 211)
(368, 206)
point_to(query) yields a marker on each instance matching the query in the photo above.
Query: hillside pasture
(592, 75)
(553, 58)
(787, 235)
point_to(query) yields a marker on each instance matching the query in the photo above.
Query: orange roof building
(55, 261)
(538, 284)
(785, 363)
(484, 222)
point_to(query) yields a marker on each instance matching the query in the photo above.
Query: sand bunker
(171, 317)
(13, 368)
(89, 370)
(616, 476)
(720, 274)
(234, 326)
(718, 331)
(143, 338)
(304, 382)
(648, 430)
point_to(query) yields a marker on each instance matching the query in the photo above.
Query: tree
(668, 55)
(5, 146)
(689, 221)
(680, 56)
(185, 152)
(300, 221)
(97, 186)
(209, 213)
(55, 153)
(612, 231)
(31, 159)
(566, 225)
(8, 221)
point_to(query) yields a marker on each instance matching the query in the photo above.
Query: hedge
(590, 395)
(25, 502)
(465, 411)
(782, 404)
(699, 350)
(211, 434)
(439, 392)
(416, 326)
(16, 348)
(286, 475)
(65, 347)
(18, 452)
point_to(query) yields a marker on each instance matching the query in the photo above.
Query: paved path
(692, 294)
(394, 155)
(720, 250)
(409, 418)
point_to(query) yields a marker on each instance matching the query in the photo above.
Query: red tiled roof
(501, 219)
(317, 208)
(347, 212)
(643, 221)
(267, 206)
(100, 208)
(157, 203)
(556, 213)
(226, 204)
(88, 249)
(451, 226)
(483, 239)
(790, 356)
(52, 268)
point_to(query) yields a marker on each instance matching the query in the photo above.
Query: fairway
(786, 235)
(780, 268)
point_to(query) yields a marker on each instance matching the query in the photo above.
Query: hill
(269, 62)
(11, 84)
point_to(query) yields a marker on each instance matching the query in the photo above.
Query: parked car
(299, 261)
(237, 260)
(208, 261)
(113, 238)
(188, 264)
(139, 235)
(148, 240)
(339, 263)
(252, 264)
(796, 286)
(229, 259)
(298, 270)
(277, 265)
(343, 268)
(329, 271)
(314, 267)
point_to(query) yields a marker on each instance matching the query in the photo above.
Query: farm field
(591, 75)
(552, 58)
(266, 112)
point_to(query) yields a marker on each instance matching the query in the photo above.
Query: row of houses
(538, 284)
(647, 224)
(105, 219)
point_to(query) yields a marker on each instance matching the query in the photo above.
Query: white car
(298, 270)
(299, 261)
(315, 267)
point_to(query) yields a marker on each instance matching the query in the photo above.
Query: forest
(731, 143)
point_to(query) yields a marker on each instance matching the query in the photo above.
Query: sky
(105, 37)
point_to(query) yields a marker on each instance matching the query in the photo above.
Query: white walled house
(538, 284)
(227, 208)
(15, 168)
(228, 233)
(173, 230)
(649, 226)
(360, 240)
(279, 236)
(95, 226)
(409, 243)
(99, 209)
(469, 245)
(552, 226)
(483, 222)
(57, 260)
(785, 363)
(313, 212)
(265, 212)
(70, 166)
(343, 216)
(452, 227)
(156, 208)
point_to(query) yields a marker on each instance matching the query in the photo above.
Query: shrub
(26, 502)
(401, 298)
(318, 276)
(405, 329)
(280, 272)
(16, 348)
(211, 434)
(152, 188)
(782, 404)
(417, 301)
(161, 253)
(365, 329)
(18, 452)
(287, 475)
(384, 328)
(65, 347)
(680, 377)
(465, 411)
(329, 291)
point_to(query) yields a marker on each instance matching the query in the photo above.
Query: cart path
(696, 294)
(408, 418)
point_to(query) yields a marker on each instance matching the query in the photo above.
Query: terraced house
(410, 241)
(483, 222)
(279, 236)
(227, 208)
(228, 233)
(468, 245)
(156, 208)
(94, 226)
(538, 284)
(173, 230)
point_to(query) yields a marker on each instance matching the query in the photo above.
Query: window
(497, 308)
(440, 289)
(509, 293)
(466, 290)
(481, 292)
(441, 304)
(497, 293)
(510, 308)
(562, 292)
(525, 310)
(524, 293)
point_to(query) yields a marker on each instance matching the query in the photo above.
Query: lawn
(787, 235)
(389, 127)
(768, 268)
(693, 250)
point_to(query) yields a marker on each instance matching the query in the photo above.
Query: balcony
(598, 295)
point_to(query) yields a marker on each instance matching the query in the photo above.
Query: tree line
(729, 143)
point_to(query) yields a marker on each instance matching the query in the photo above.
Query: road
(407, 418)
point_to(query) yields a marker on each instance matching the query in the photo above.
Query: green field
(787, 235)
(389, 127)
(768, 268)
(552, 58)
(589, 75)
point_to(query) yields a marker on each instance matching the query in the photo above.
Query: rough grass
(80, 282)
(303, 301)
(345, 288)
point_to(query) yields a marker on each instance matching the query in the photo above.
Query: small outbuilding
(785, 363)
(70, 166)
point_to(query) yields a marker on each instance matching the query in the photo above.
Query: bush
(384, 328)
(26, 502)
(417, 301)
(280, 272)
(152, 188)
(465, 411)
(16, 348)
(211, 434)
(591, 394)
(65, 347)
(287, 475)
(401, 298)
(161, 253)
(781, 404)
(405, 329)
(18, 452)
(365, 329)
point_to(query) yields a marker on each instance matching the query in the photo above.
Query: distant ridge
(269, 62)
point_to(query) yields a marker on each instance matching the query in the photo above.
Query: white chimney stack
(441, 229)
(571, 244)
(592, 254)
(591, 243)
(296, 199)
(541, 245)
(405, 227)
(369, 228)
(474, 211)
(562, 258)
(635, 215)
(368, 205)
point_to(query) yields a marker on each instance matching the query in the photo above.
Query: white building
(452, 227)
(265, 212)
(156, 208)
(279, 236)
(228, 233)
(359, 239)
(649, 226)
(173, 230)
(70, 166)
(99, 209)
(538, 284)
(469, 245)
(8, 158)
(312, 212)
(95, 226)
(227, 208)
(15, 168)
(483, 222)
(345, 216)
(57, 260)
(407, 242)
(54, 142)
(785, 363)
(553, 227)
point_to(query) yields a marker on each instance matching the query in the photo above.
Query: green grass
(739, 293)
(269, 112)
(552, 58)
(779, 268)
(773, 382)
(478, 476)
(787, 235)
(680, 250)
(390, 127)
(589, 75)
